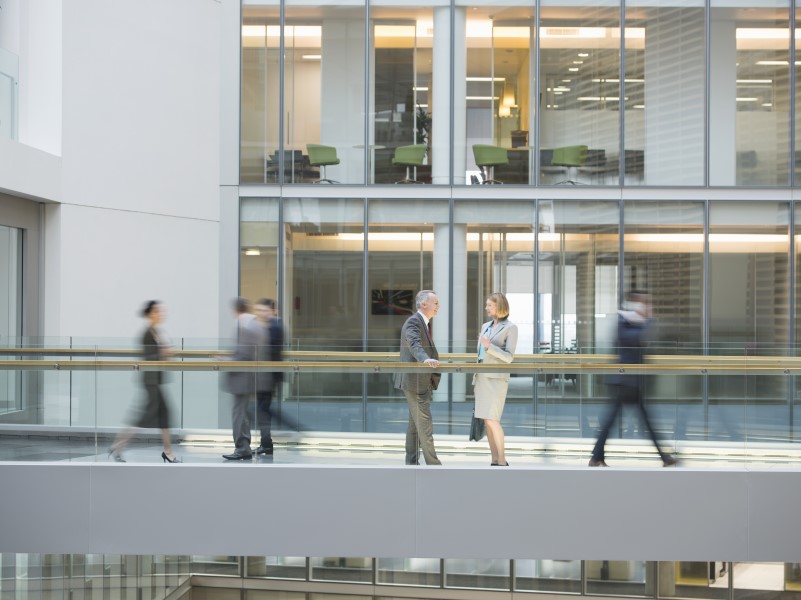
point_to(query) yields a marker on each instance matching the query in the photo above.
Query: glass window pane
(578, 248)
(759, 581)
(664, 254)
(619, 577)
(580, 92)
(750, 74)
(260, 115)
(10, 312)
(409, 571)
(324, 282)
(410, 46)
(324, 91)
(665, 99)
(405, 236)
(276, 567)
(554, 576)
(495, 253)
(707, 580)
(340, 568)
(486, 574)
(498, 88)
(749, 314)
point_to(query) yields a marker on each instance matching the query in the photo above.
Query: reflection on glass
(498, 89)
(215, 565)
(665, 99)
(578, 246)
(765, 580)
(324, 91)
(260, 115)
(486, 574)
(749, 65)
(409, 571)
(749, 314)
(580, 93)
(341, 568)
(555, 576)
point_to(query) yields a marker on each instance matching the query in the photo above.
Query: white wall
(40, 77)
(141, 169)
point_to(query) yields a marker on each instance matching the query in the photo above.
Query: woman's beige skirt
(490, 396)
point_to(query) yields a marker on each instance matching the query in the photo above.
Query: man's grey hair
(422, 296)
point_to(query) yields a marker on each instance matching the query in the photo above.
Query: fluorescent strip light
(754, 81)
(486, 79)
(573, 69)
(775, 63)
(487, 98)
(598, 98)
(420, 89)
(252, 252)
(253, 30)
(312, 56)
(610, 80)
(746, 99)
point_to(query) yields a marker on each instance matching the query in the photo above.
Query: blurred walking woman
(496, 344)
(155, 412)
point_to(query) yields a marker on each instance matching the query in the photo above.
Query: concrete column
(441, 106)
(722, 98)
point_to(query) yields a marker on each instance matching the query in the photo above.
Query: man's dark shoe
(597, 463)
(238, 455)
(264, 450)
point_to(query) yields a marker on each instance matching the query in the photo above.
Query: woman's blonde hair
(501, 303)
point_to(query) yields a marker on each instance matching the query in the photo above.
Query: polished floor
(322, 449)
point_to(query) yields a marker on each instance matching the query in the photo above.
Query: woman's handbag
(476, 428)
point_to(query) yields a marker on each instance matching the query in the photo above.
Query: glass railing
(9, 76)
(735, 401)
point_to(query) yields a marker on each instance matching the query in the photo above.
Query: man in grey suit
(417, 345)
(242, 384)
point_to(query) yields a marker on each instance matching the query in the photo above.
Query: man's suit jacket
(249, 336)
(503, 343)
(416, 345)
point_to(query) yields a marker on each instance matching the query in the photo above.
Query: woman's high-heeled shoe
(112, 452)
(167, 458)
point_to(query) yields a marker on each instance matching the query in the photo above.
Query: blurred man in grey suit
(417, 345)
(242, 384)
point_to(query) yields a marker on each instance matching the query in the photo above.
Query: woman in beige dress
(496, 344)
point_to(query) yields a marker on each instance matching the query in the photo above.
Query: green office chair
(487, 158)
(322, 156)
(570, 157)
(409, 156)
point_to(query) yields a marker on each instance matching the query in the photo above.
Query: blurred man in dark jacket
(633, 325)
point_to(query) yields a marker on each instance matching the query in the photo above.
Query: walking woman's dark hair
(149, 306)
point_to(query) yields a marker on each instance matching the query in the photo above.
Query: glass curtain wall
(323, 305)
(579, 93)
(749, 86)
(664, 119)
(797, 98)
(577, 301)
(749, 290)
(324, 91)
(260, 116)
(499, 89)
